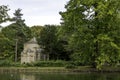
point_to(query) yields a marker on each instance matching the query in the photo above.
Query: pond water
(59, 76)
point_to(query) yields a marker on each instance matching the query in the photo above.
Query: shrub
(50, 63)
(70, 66)
(28, 65)
(15, 64)
(5, 63)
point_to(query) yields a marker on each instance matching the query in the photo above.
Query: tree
(18, 33)
(50, 43)
(5, 48)
(4, 42)
(36, 31)
(47, 39)
(20, 23)
(4, 13)
(89, 25)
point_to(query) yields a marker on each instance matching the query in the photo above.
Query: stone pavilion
(31, 52)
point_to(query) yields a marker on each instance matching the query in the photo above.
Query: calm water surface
(59, 76)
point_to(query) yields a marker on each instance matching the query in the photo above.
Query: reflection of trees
(27, 77)
(55, 76)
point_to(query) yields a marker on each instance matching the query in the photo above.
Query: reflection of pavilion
(27, 77)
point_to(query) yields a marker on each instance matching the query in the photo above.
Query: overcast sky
(37, 12)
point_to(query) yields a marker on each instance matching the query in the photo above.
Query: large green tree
(3, 40)
(93, 30)
(6, 51)
(36, 31)
(50, 43)
(48, 39)
(18, 33)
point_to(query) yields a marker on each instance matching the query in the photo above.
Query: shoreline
(56, 70)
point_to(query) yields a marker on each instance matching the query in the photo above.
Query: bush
(28, 65)
(70, 66)
(50, 63)
(5, 63)
(15, 64)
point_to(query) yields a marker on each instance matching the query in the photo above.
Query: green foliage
(28, 65)
(4, 13)
(93, 31)
(8, 63)
(70, 66)
(4, 63)
(15, 32)
(110, 52)
(50, 43)
(50, 63)
(36, 31)
(89, 35)
(5, 48)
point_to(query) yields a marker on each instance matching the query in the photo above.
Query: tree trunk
(16, 46)
(47, 57)
(96, 44)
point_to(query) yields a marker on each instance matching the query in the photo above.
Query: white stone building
(31, 52)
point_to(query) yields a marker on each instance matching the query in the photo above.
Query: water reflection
(59, 76)
(27, 77)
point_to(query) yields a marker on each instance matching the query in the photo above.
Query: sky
(37, 12)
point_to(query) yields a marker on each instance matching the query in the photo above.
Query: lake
(59, 76)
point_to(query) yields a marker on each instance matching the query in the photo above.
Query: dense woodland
(89, 34)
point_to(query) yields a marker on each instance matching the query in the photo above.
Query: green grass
(57, 69)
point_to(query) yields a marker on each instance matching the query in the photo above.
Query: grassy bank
(57, 69)
(52, 66)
